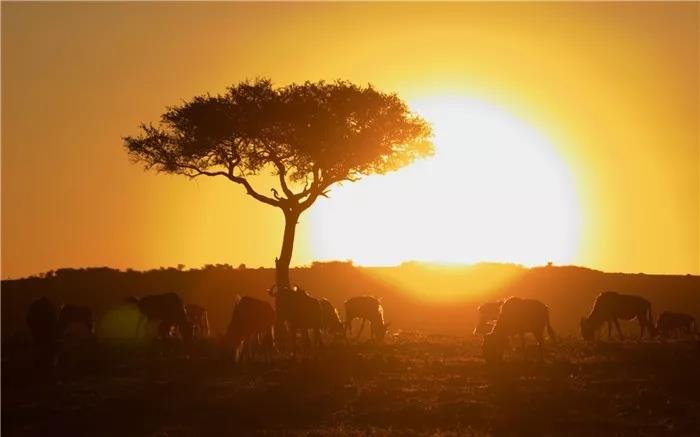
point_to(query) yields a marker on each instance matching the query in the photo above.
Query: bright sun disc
(494, 191)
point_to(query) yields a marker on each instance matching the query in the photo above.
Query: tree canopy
(310, 136)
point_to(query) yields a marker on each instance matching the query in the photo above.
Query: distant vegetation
(416, 296)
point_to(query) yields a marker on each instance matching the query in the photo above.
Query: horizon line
(350, 263)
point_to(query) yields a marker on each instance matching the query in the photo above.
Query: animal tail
(550, 331)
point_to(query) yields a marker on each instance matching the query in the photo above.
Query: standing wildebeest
(167, 309)
(610, 306)
(517, 316)
(488, 314)
(330, 319)
(676, 323)
(296, 310)
(74, 316)
(367, 308)
(251, 326)
(199, 319)
(43, 324)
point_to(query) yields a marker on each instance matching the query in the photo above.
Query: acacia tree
(310, 136)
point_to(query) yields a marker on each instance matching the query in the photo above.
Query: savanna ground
(413, 385)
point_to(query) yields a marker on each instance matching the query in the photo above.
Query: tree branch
(319, 187)
(237, 179)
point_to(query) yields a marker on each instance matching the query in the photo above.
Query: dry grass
(417, 385)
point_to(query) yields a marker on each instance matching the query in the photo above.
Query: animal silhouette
(72, 317)
(297, 311)
(670, 324)
(609, 307)
(517, 317)
(366, 308)
(168, 309)
(250, 331)
(330, 318)
(42, 321)
(488, 314)
(198, 317)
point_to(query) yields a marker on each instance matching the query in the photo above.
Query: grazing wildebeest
(296, 311)
(167, 309)
(676, 323)
(367, 308)
(74, 316)
(488, 314)
(199, 319)
(330, 319)
(610, 306)
(517, 316)
(250, 328)
(43, 324)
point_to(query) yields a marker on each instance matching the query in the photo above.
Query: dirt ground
(414, 385)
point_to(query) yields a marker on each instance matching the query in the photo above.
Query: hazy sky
(613, 87)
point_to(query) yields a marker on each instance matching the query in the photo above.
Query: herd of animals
(299, 322)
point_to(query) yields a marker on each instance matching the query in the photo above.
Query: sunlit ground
(496, 190)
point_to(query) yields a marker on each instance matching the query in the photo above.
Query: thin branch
(237, 179)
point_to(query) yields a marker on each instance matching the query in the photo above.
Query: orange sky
(613, 88)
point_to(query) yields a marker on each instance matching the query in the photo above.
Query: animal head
(482, 328)
(380, 331)
(276, 290)
(587, 329)
(272, 291)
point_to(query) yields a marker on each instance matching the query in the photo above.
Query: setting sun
(495, 190)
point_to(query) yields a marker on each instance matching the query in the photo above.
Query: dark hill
(416, 296)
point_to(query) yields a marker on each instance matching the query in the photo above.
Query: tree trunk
(282, 263)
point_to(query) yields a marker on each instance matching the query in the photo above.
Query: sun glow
(495, 190)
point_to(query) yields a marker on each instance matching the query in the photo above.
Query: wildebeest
(488, 314)
(251, 327)
(676, 323)
(296, 311)
(72, 317)
(199, 319)
(517, 316)
(330, 319)
(167, 309)
(610, 306)
(43, 325)
(367, 308)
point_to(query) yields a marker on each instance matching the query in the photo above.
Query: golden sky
(612, 89)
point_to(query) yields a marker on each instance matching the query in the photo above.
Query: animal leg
(540, 341)
(362, 327)
(619, 331)
(319, 339)
(348, 328)
(292, 338)
(306, 340)
(609, 330)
